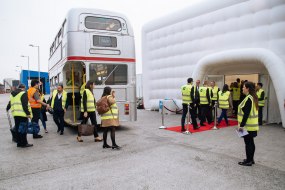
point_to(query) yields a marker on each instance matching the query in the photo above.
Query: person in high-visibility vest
(214, 97)
(110, 119)
(43, 116)
(236, 97)
(59, 104)
(196, 99)
(224, 100)
(21, 111)
(36, 103)
(248, 120)
(88, 107)
(204, 94)
(261, 101)
(187, 104)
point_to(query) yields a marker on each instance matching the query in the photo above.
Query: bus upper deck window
(101, 23)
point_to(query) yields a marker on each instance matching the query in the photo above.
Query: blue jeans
(43, 121)
(223, 115)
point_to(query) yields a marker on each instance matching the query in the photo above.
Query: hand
(240, 128)
(29, 116)
(85, 114)
(64, 110)
(48, 106)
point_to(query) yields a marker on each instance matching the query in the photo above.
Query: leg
(221, 117)
(61, 122)
(249, 147)
(193, 116)
(260, 114)
(92, 116)
(56, 120)
(225, 116)
(203, 115)
(113, 129)
(183, 116)
(209, 114)
(105, 133)
(43, 121)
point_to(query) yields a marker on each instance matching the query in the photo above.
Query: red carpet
(204, 128)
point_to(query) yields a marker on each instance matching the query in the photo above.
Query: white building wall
(174, 45)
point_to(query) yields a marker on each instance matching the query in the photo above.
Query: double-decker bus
(95, 45)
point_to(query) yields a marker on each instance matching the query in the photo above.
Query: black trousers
(92, 116)
(235, 106)
(260, 115)
(58, 117)
(192, 111)
(205, 113)
(249, 145)
(21, 138)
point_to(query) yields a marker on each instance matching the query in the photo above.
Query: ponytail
(252, 92)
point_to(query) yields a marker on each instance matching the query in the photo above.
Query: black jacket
(24, 100)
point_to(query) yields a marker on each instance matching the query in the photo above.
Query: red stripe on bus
(77, 58)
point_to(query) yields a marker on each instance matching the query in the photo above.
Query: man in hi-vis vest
(21, 111)
(59, 105)
(261, 101)
(187, 101)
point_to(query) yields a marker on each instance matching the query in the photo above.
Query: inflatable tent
(212, 39)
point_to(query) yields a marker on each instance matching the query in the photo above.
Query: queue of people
(31, 104)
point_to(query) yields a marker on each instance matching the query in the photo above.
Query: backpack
(102, 105)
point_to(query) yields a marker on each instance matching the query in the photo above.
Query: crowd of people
(32, 105)
(245, 99)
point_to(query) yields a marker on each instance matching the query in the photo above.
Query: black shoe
(245, 163)
(106, 146)
(116, 147)
(61, 133)
(183, 130)
(37, 136)
(27, 145)
(196, 127)
(202, 124)
(253, 162)
(58, 131)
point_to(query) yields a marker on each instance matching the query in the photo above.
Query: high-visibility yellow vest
(252, 121)
(260, 102)
(16, 106)
(112, 113)
(186, 91)
(215, 93)
(224, 100)
(90, 101)
(236, 93)
(82, 88)
(63, 98)
(203, 95)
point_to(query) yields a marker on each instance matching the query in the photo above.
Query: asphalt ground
(150, 158)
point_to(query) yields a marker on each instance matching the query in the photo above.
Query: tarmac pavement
(150, 158)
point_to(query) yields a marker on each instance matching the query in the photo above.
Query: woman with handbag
(110, 119)
(88, 110)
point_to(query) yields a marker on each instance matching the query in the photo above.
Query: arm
(84, 101)
(8, 106)
(192, 94)
(208, 96)
(246, 110)
(66, 103)
(261, 96)
(24, 100)
(38, 99)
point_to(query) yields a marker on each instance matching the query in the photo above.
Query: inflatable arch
(260, 57)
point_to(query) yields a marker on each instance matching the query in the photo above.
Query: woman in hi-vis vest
(248, 120)
(110, 119)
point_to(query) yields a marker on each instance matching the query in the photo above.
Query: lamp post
(29, 76)
(38, 59)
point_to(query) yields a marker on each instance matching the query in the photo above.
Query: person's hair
(235, 84)
(88, 85)
(34, 82)
(260, 84)
(107, 91)
(238, 80)
(60, 84)
(252, 92)
(22, 85)
(189, 80)
(225, 88)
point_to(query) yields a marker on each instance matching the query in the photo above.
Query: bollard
(187, 132)
(162, 117)
(215, 111)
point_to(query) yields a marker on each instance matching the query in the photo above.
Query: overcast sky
(25, 22)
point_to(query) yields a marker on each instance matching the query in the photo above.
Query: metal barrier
(162, 117)
(187, 132)
(215, 120)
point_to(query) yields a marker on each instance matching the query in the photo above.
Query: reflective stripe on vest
(215, 93)
(260, 102)
(33, 102)
(203, 95)
(224, 100)
(63, 98)
(16, 105)
(252, 121)
(112, 113)
(90, 102)
(186, 94)
(236, 93)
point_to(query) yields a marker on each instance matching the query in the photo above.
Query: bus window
(69, 78)
(100, 23)
(108, 74)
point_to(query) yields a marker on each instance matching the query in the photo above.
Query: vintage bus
(96, 45)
